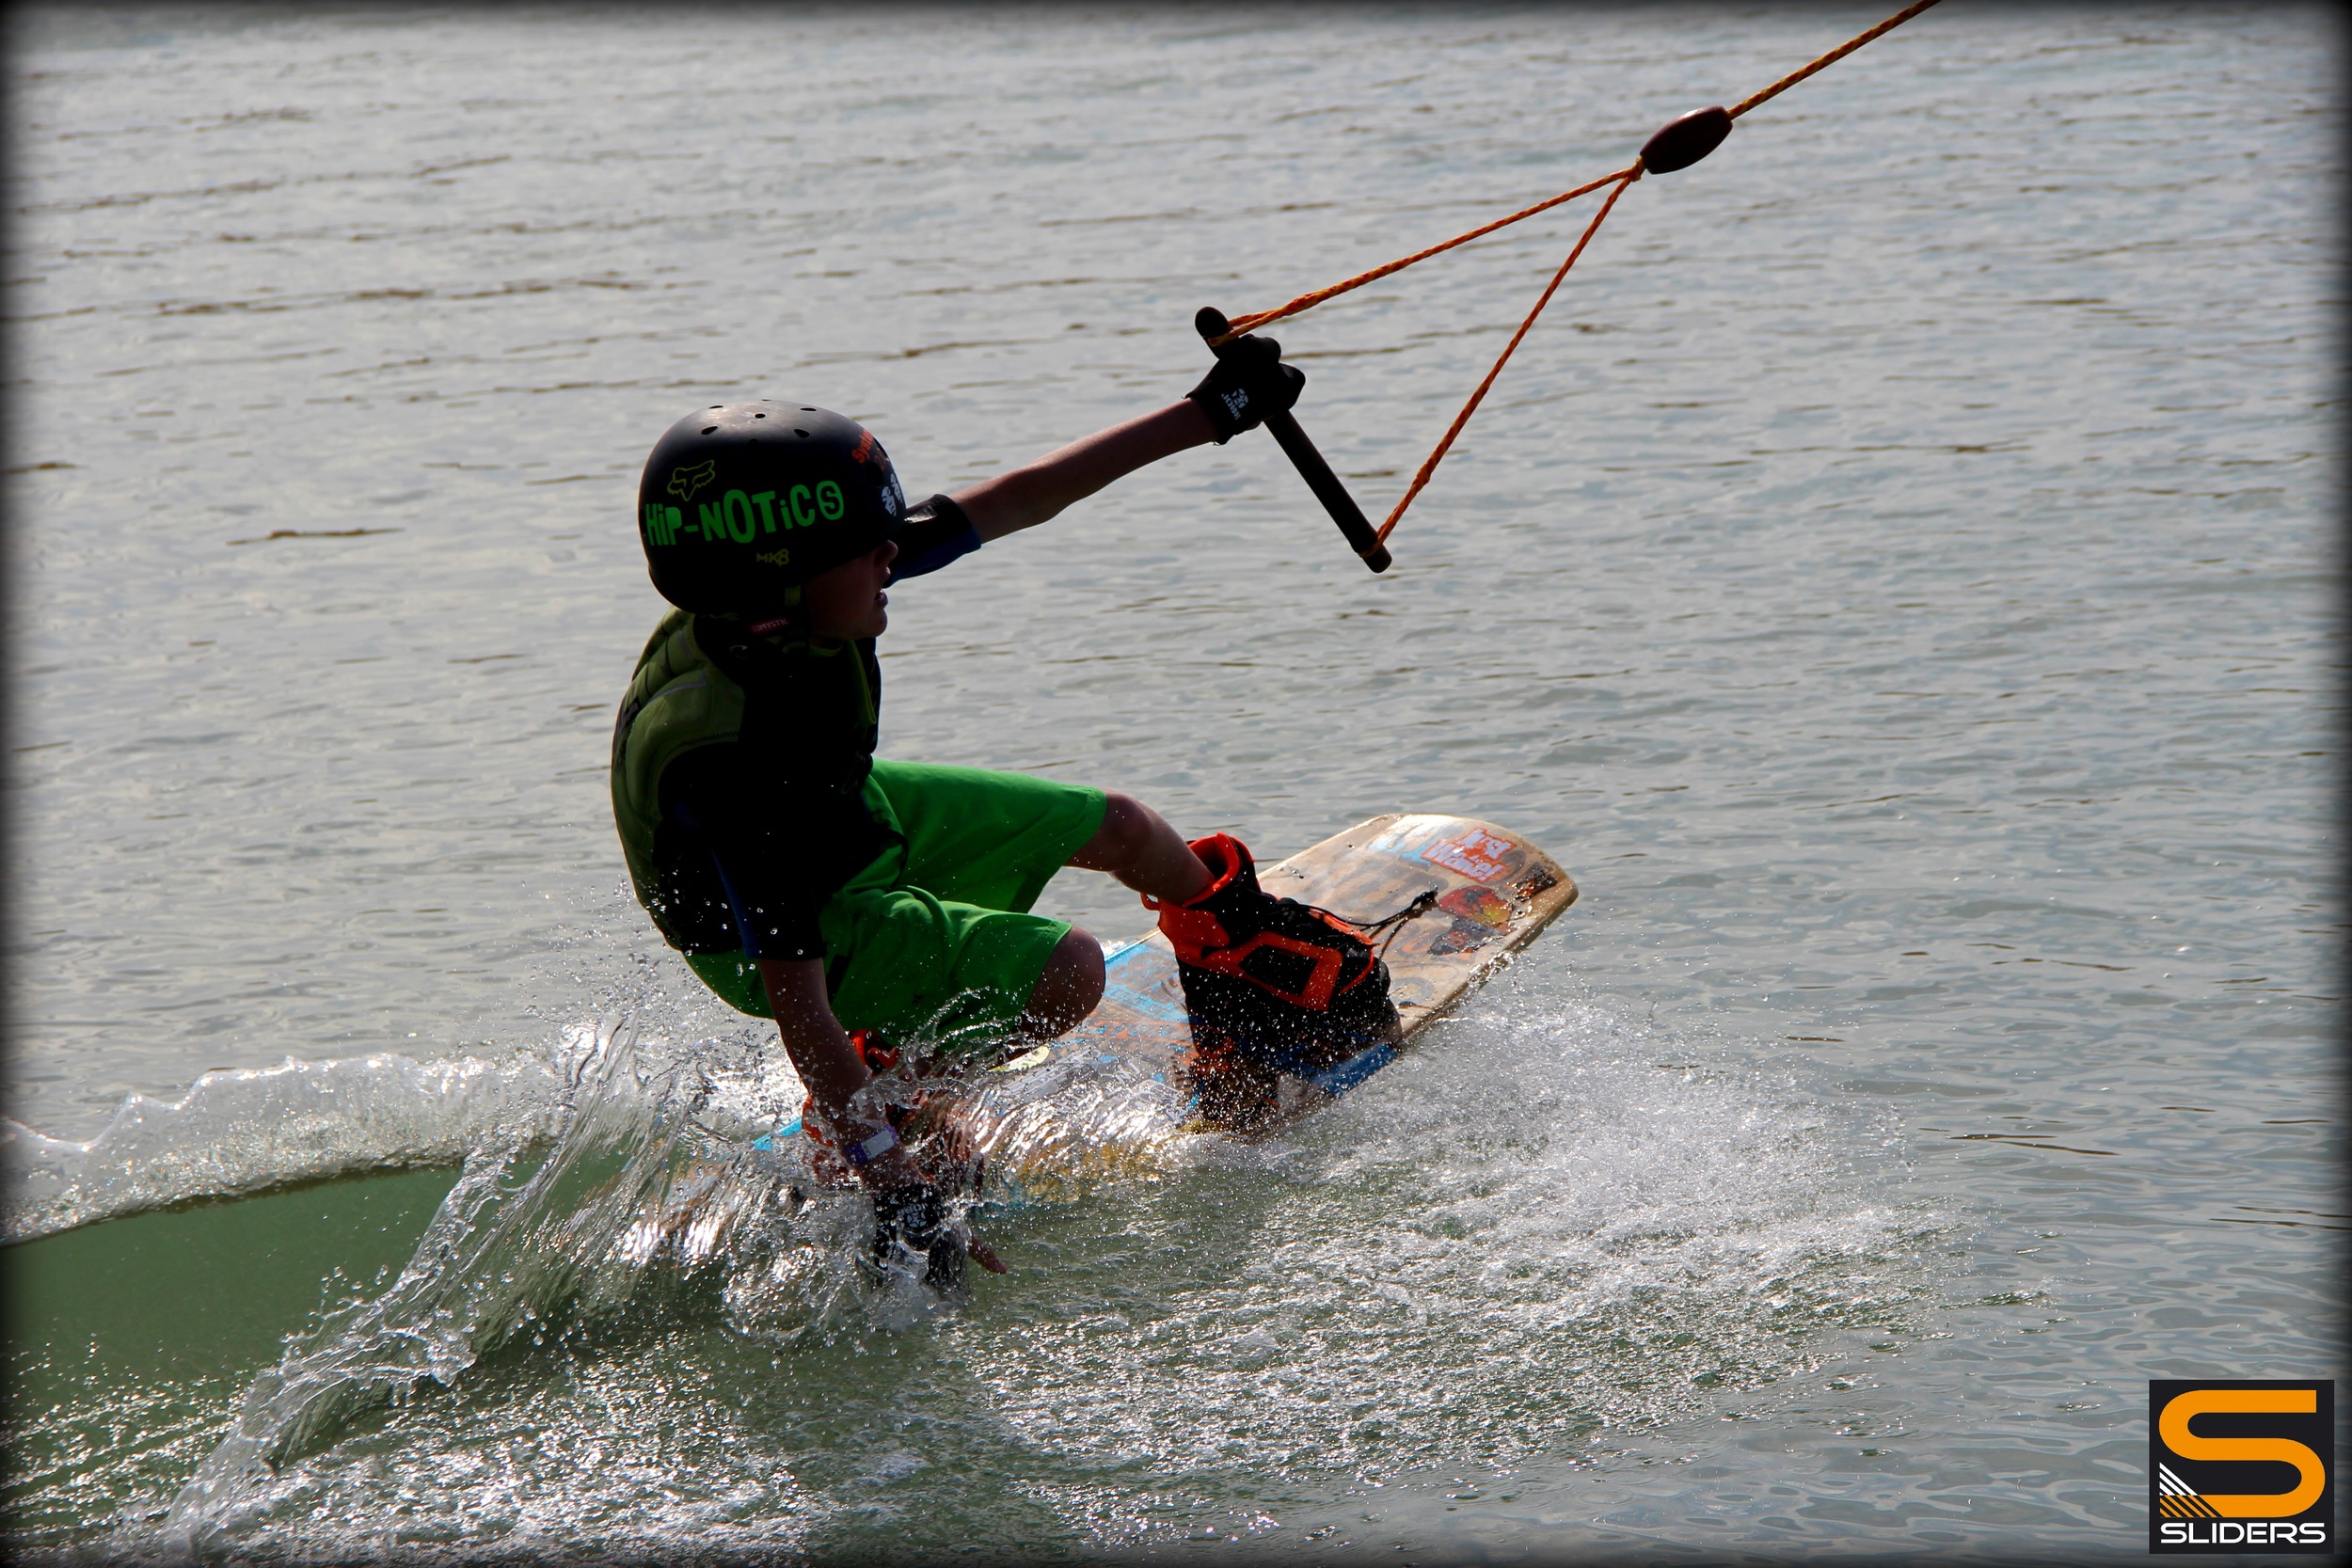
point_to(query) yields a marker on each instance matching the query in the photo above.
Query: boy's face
(847, 602)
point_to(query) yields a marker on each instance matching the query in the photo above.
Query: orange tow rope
(1623, 178)
(1308, 302)
(1437, 455)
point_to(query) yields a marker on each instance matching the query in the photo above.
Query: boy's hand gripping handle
(1211, 324)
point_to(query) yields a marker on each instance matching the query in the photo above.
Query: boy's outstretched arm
(1247, 384)
(1035, 491)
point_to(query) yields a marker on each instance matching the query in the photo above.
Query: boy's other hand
(915, 1219)
(1249, 383)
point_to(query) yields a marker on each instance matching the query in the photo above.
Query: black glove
(912, 1223)
(1249, 382)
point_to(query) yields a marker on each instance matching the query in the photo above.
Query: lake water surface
(1896, 579)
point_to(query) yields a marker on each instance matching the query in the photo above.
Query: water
(1893, 580)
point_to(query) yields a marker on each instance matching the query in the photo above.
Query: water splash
(638, 1170)
(1540, 1234)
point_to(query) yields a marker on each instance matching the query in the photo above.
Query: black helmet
(744, 501)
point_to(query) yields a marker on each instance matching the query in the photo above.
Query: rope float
(1676, 145)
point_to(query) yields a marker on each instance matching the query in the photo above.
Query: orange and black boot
(1274, 986)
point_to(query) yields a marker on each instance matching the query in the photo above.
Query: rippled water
(1895, 579)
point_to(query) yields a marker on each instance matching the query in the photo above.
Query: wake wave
(495, 1259)
(631, 1171)
(243, 1130)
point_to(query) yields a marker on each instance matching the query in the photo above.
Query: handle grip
(1211, 324)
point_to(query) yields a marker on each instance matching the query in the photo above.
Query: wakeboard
(1113, 1094)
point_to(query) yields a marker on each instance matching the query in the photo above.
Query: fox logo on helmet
(684, 482)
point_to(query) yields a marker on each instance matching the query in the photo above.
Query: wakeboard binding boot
(1273, 986)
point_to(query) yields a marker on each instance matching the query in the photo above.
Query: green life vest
(824, 701)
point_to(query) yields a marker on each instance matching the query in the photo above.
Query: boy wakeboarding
(871, 905)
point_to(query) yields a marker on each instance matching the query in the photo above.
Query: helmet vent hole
(806, 409)
(797, 430)
(710, 429)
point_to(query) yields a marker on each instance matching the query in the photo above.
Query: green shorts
(933, 945)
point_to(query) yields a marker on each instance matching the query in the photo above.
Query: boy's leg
(1271, 985)
(943, 951)
(980, 842)
(1067, 991)
(975, 836)
(1136, 845)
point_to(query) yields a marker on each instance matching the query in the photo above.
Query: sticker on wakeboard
(1476, 854)
(1482, 903)
(1461, 936)
(1116, 989)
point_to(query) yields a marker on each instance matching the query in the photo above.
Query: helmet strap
(786, 613)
